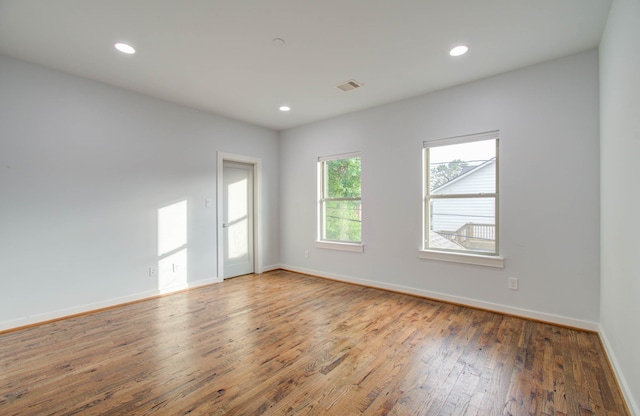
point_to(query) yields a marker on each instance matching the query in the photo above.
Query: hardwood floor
(284, 343)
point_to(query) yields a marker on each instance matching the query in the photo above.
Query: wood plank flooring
(283, 343)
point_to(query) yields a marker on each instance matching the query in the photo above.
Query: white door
(237, 219)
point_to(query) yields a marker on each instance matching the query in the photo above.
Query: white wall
(84, 168)
(620, 175)
(549, 176)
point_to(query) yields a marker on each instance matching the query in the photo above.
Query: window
(461, 195)
(339, 204)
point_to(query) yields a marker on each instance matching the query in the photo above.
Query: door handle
(225, 225)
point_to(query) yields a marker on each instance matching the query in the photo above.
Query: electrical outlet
(153, 271)
(306, 254)
(513, 283)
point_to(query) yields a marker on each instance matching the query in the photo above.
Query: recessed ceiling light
(459, 50)
(125, 48)
(285, 108)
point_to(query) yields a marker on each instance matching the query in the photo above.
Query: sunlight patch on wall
(172, 227)
(172, 247)
(172, 271)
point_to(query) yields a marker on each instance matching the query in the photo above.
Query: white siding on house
(481, 179)
(451, 214)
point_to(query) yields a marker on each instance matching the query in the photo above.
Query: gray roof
(438, 241)
(466, 171)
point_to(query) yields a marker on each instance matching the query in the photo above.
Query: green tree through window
(340, 203)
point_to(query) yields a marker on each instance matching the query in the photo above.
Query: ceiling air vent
(350, 85)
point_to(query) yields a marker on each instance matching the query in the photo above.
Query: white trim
(322, 199)
(270, 268)
(454, 257)
(90, 307)
(617, 369)
(494, 307)
(257, 204)
(467, 138)
(428, 196)
(338, 245)
(349, 155)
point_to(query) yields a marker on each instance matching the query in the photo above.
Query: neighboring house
(460, 219)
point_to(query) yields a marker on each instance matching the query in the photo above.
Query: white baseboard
(524, 313)
(80, 309)
(617, 369)
(269, 268)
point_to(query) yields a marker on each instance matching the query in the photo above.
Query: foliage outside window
(340, 207)
(461, 194)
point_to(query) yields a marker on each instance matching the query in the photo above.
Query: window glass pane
(343, 178)
(466, 224)
(343, 220)
(466, 168)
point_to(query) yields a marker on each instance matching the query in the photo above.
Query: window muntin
(340, 206)
(461, 194)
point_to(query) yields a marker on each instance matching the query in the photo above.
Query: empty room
(340, 207)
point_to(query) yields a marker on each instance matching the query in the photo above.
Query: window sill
(334, 245)
(479, 260)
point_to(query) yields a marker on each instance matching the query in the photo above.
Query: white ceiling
(218, 55)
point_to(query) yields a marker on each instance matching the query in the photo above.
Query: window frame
(483, 258)
(322, 241)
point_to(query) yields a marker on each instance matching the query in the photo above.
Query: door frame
(257, 203)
